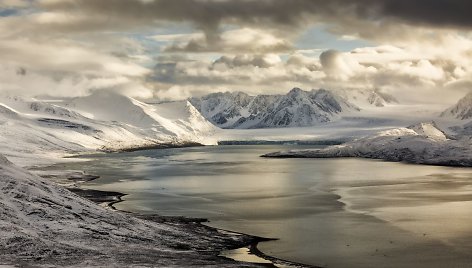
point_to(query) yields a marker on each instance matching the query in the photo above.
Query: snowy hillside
(423, 143)
(457, 119)
(42, 224)
(462, 110)
(104, 121)
(298, 108)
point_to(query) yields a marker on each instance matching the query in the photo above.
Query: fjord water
(329, 212)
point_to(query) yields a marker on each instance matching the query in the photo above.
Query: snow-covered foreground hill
(422, 143)
(34, 130)
(42, 224)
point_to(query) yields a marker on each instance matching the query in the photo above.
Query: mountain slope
(104, 121)
(462, 110)
(298, 108)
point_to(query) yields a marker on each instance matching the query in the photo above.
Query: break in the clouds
(175, 49)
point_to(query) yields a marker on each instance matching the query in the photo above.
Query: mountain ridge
(297, 108)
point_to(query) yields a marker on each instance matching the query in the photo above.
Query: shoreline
(285, 155)
(110, 198)
(153, 146)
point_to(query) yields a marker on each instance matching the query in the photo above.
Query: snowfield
(43, 224)
(422, 143)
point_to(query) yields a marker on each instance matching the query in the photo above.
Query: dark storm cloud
(448, 13)
(208, 14)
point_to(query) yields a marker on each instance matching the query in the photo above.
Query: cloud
(15, 80)
(174, 93)
(422, 74)
(211, 45)
(14, 4)
(244, 40)
(300, 60)
(354, 17)
(431, 12)
(337, 65)
(64, 58)
(261, 61)
(64, 68)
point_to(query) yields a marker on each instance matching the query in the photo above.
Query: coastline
(185, 223)
(318, 154)
(47, 225)
(110, 198)
(154, 146)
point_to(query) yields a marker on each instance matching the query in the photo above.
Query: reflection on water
(331, 212)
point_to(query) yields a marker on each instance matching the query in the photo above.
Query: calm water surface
(329, 212)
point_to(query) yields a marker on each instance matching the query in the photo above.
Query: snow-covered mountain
(462, 110)
(422, 143)
(104, 120)
(298, 108)
(366, 97)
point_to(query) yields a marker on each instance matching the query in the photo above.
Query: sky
(418, 51)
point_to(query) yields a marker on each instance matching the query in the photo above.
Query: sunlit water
(328, 212)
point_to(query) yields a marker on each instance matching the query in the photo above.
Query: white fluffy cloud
(15, 80)
(65, 57)
(339, 66)
(418, 72)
